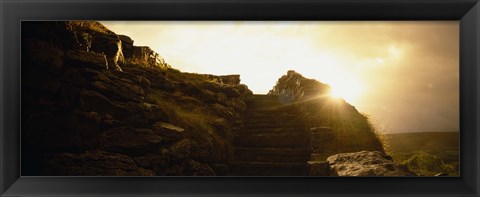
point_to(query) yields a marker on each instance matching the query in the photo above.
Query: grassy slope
(426, 153)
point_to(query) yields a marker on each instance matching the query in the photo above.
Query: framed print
(240, 98)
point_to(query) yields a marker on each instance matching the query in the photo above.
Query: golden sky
(404, 75)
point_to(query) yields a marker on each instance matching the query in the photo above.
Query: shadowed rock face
(95, 104)
(365, 163)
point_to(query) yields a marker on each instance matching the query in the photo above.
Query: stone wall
(95, 104)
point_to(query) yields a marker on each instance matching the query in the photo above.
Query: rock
(442, 174)
(318, 168)
(147, 57)
(238, 104)
(118, 87)
(93, 163)
(231, 92)
(230, 79)
(154, 113)
(111, 46)
(109, 122)
(210, 86)
(168, 131)
(91, 100)
(120, 91)
(222, 127)
(130, 141)
(294, 87)
(144, 84)
(181, 149)
(127, 45)
(208, 96)
(195, 168)
(365, 163)
(80, 58)
(221, 98)
(222, 111)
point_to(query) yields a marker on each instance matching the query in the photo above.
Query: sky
(403, 75)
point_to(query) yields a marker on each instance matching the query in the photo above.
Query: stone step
(293, 140)
(277, 116)
(273, 155)
(263, 125)
(264, 96)
(270, 110)
(284, 130)
(268, 169)
(261, 106)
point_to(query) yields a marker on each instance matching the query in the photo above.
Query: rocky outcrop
(293, 87)
(335, 126)
(95, 104)
(365, 163)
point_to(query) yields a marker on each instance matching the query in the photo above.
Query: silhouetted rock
(365, 163)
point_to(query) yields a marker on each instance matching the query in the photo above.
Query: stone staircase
(272, 142)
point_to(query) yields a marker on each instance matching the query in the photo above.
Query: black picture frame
(14, 11)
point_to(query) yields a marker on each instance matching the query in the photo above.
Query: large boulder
(94, 163)
(111, 46)
(365, 163)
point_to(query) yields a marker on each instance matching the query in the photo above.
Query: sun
(350, 92)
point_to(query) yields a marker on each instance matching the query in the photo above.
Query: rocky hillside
(93, 103)
(335, 125)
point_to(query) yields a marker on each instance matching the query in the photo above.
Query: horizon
(403, 75)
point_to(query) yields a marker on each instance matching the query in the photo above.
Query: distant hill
(423, 141)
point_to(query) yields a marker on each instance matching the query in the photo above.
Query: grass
(192, 119)
(426, 153)
(352, 131)
(429, 163)
(206, 131)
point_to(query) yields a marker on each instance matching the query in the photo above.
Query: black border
(13, 11)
